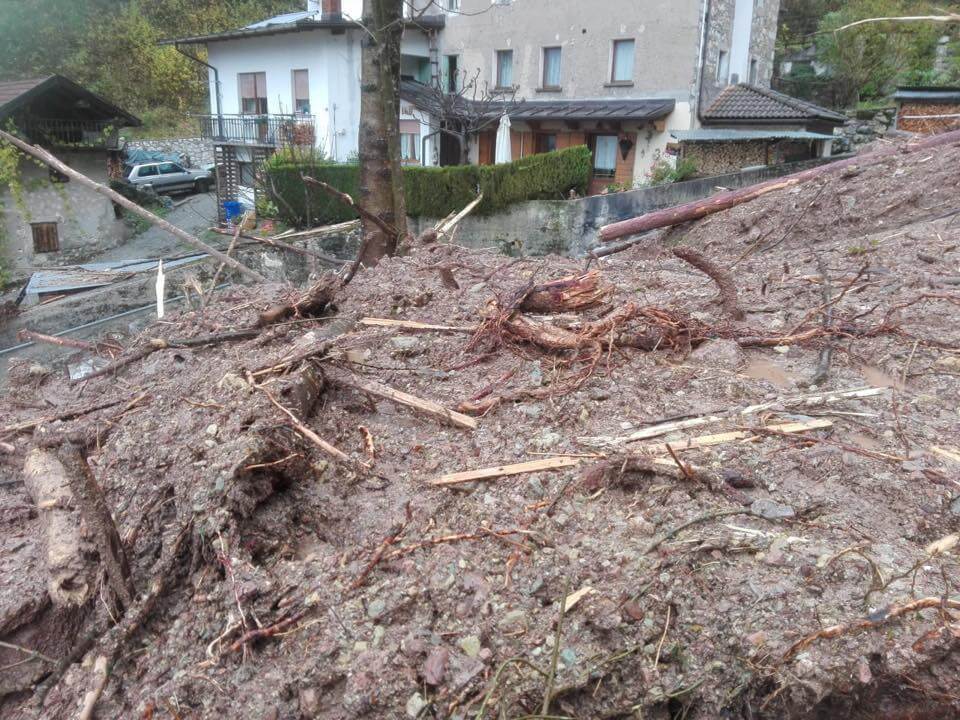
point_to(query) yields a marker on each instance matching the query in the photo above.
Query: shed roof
(930, 94)
(735, 134)
(750, 103)
(60, 98)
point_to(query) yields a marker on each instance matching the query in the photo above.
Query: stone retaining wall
(198, 150)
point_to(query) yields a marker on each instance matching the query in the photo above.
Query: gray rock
(406, 345)
(719, 353)
(415, 704)
(771, 510)
(955, 506)
(376, 608)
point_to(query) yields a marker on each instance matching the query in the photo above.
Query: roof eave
(127, 119)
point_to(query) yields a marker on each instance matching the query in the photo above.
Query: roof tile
(749, 102)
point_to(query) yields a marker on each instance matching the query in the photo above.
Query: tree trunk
(381, 184)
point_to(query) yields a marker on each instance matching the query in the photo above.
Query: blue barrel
(232, 209)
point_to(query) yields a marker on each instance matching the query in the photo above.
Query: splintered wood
(564, 461)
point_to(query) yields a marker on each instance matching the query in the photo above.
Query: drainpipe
(216, 85)
(702, 55)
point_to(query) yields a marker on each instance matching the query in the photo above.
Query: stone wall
(862, 128)
(198, 150)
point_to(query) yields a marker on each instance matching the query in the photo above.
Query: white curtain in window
(605, 155)
(504, 68)
(551, 67)
(623, 60)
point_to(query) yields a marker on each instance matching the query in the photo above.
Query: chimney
(331, 11)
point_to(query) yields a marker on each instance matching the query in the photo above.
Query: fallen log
(50, 160)
(274, 242)
(723, 279)
(71, 571)
(724, 201)
(568, 294)
(31, 336)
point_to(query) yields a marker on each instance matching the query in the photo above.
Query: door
(604, 149)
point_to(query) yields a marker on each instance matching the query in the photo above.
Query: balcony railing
(269, 130)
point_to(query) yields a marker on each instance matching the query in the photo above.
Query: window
(723, 66)
(504, 68)
(451, 73)
(753, 71)
(551, 68)
(45, 237)
(170, 168)
(622, 70)
(546, 143)
(301, 92)
(453, 5)
(410, 142)
(605, 156)
(147, 171)
(253, 93)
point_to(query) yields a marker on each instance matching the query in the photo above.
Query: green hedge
(432, 192)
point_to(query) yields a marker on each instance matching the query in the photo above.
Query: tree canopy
(110, 46)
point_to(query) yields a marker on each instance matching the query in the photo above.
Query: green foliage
(664, 172)
(432, 192)
(110, 46)
(870, 60)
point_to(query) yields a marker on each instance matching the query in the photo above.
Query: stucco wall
(85, 220)
(333, 65)
(666, 35)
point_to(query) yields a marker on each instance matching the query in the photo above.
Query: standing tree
(381, 183)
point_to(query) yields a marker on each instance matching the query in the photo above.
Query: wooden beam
(504, 470)
(413, 325)
(428, 407)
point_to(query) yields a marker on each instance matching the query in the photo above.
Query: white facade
(332, 62)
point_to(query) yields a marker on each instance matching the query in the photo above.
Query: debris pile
(469, 486)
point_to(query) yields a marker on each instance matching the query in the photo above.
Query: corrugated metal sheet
(733, 135)
(94, 275)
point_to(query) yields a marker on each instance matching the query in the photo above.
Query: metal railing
(269, 130)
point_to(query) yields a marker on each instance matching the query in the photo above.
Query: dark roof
(57, 97)
(298, 22)
(574, 110)
(932, 94)
(745, 102)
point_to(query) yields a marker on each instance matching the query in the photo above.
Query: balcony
(58, 133)
(258, 130)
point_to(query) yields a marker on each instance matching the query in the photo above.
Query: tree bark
(381, 184)
(726, 200)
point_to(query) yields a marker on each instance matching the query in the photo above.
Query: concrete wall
(333, 64)
(85, 220)
(570, 226)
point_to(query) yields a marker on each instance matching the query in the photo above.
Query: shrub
(663, 172)
(432, 192)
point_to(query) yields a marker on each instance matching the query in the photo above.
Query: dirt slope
(458, 617)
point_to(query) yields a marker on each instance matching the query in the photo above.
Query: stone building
(44, 217)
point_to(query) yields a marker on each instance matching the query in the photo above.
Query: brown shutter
(301, 85)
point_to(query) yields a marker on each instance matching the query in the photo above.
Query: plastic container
(232, 209)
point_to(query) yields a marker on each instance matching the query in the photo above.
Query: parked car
(166, 177)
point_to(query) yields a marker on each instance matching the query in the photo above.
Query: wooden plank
(427, 407)
(413, 325)
(728, 437)
(950, 454)
(554, 463)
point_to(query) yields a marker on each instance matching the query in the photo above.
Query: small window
(453, 5)
(623, 54)
(253, 93)
(551, 68)
(605, 156)
(753, 71)
(170, 168)
(504, 68)
(301, 92)
(452, 73)
(410, 142)
(45, 237)
(546, 143)
(147, 171)
(723, 66)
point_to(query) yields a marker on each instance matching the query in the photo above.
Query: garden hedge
(432, 192)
